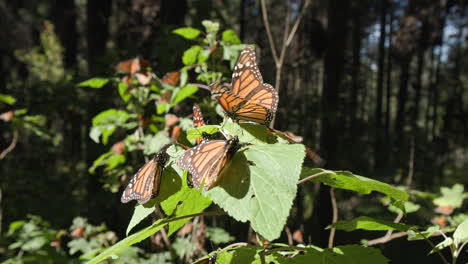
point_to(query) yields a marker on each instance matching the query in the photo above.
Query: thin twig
(385, 239)
(200, 85)
(268, 31)
(298, 21)
(237, 244)
(335, 217)
(433, 246)
(312, 176)
(289, 235)
(461, 247)
(12, 145)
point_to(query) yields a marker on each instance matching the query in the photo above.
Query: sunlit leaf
(187, 32)
(190, 55)
(229, 36)
(183, 93)
(7, 99)
(260, 186)
(370, 224)
(446, 243)
(195, 133)
(94, 83)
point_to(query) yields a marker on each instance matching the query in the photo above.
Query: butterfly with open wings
(248, 98)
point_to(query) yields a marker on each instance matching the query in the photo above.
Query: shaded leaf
(7, 99)
(370, 224)
(349, 181)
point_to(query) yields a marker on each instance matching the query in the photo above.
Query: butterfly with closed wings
(198, 121)
(144, 185)
(248, 98)
(206, 160)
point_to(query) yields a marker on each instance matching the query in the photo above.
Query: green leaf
(123, 88)
(162, 108)
(186, 201)
(461, 233)
(106, 122)
(248, 132)
(413, 235)
(7, 99)
(154, 143)
(187, 32)
(446, 243)
(229, 36)
(195, 133)
(347, 180)
(451, 196)
(260, 186)
(370, 224)
(171, 183)
(190, 55)
(340, 255)
(183, 93)
(94, 83)
(218, 235)
(130, 240)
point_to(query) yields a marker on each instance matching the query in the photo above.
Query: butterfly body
(206, 160)
(247, 98)
(144, 185)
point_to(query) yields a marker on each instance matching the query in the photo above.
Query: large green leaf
(187, 32)
(349, 181)
(94, 83)
(461, 233)
(370, 224)
(451, 196)
(260, 186)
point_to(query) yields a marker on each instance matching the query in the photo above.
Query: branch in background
(289, 235)
(335, 217)
(288, 36)
(385, 238)
(11, 146)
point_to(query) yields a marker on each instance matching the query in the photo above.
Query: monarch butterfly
(198, 121)
(136, 67)
(144, 185)
(206, 161)
(171, 78)
(248, 98)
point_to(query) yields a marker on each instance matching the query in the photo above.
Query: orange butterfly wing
(145, 183)
(247, 82)
(198, 120)
(205, 161)
(238, 108)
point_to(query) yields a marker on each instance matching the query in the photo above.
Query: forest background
(378, 88)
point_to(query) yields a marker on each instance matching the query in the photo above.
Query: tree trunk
(98, 13)
(402, 97)
(355, 70)
(389, 80)
(64, 18)
(380, 80)
(334, 67)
